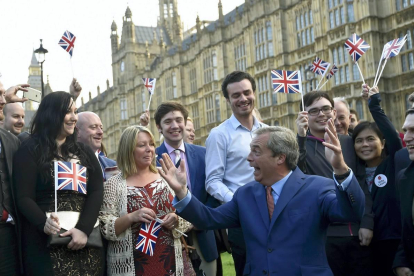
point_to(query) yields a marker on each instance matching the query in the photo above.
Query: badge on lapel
(380, 180)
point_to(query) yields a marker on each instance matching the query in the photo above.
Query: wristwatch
(341, 177)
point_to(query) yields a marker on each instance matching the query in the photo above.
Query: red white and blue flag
(148, 236)
(67, 42)
(356, 47)
(149, 84)
(319, 66)
(331, 73)
(70, 176)
(286, 81)
(393, 48)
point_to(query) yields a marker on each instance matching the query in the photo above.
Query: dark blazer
(9, 145)
(401, 160)
(293, 242)
(196, 166)
(405, 254)
(105, 162)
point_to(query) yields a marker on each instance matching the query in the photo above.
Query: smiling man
(403, 262)
(90, 132)
(347, 243)
(13, 118)
(343, 116)
(227, 149)
(171, 118)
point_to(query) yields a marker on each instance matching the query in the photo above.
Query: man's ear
(281, 158)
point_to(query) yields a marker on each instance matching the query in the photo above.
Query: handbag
(67, 221)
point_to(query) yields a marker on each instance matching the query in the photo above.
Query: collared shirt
(277, 188)
(171, 152)
(227, 148)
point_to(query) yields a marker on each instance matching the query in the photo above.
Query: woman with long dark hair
(375, 144)
(53, 138)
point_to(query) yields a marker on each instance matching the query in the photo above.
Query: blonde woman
(138, 194)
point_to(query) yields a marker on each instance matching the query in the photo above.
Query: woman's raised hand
(176, 178)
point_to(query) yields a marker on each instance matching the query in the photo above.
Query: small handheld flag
(67, 42)
(333, 71)
(287, 82)
(148, 236)
(69, 176)
(149, 83)
(391, 49)
(356, 47)
(319, 66)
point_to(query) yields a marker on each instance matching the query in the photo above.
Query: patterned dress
(156, 196)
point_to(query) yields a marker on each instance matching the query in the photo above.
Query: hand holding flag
(149, 83)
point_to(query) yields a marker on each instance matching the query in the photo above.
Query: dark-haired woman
(370, 141)
(53, 138)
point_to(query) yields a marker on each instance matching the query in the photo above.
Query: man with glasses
(347, 243)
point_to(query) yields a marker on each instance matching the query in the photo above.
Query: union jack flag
(356, 47)
(286, 81)
(319, 66)
(149, 84)
(67, 42)
(331, 73)
(148, 236)
(70, 176)
(393, 48)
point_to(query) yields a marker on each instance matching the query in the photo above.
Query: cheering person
(53, 138)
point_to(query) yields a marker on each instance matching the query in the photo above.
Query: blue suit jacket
(293, 242)
(196, 165)
(105, 162)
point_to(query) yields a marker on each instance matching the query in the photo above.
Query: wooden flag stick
(359, 69)
(56, 184)
(71, 65)
(379, 76)
(323, 84)
(379, 64)
(319, 82)
(149, 102)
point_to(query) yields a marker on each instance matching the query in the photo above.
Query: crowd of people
(335, 198)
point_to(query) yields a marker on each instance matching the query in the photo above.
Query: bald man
(90, 132)
(13, 118)
(343, 116)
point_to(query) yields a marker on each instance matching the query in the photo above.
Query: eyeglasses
(325, 110)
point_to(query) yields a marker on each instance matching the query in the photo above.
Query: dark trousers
(9, 261)
(384, 253)
(238, 249)
(347, 257)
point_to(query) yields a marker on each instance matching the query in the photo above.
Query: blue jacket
(195, 156)
(105, 163)
(293, 242)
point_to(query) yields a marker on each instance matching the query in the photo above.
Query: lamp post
(40, 53)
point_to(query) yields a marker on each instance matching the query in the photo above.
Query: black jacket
(385, 202)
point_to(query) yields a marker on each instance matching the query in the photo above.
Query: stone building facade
(257, 36)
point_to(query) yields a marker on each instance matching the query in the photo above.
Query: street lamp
(40, 54)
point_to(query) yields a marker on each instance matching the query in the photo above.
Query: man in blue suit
(284, 213)
(170, 119)
(90, 132)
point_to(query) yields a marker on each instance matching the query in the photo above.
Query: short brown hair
(236, 76)
(166, 108)
(310, 97)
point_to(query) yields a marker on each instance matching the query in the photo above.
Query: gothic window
(193, 80)
(305, 35)
(340, 12)
(240, 58)
(195, 115)
(407, 52)
(360, 110)
(124, 111)
(210, 67)
(217, 103)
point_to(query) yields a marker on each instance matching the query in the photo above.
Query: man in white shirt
(227, 148)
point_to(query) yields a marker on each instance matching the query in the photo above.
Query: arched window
(359, 109)
(217, 100)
